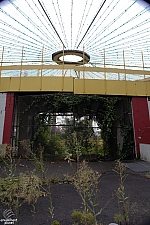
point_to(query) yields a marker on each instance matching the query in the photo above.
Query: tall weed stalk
(122, 216)
(86, 182)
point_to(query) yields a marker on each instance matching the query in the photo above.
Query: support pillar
(26, 123)
(141, 120)
(6, 117)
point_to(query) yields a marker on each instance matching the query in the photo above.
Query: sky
(92, 25)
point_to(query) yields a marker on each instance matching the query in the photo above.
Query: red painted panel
(141, 122)
(8, 118)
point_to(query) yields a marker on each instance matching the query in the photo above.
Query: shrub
(55, 222)
(83, 217)
(24, 187)
(86, 182)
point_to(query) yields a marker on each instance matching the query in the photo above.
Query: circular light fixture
(70, 58)
(58, 57)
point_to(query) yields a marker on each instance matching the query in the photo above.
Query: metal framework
(97, 31)
(106, 79)
(77, 86)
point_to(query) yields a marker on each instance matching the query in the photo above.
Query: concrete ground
(65, 198)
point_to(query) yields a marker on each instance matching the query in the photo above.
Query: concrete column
(2, 114)
(25, 126)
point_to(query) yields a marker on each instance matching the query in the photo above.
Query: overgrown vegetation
(85, 217)
(109, 112)
(15, 190)
(125, 208)
(76, 138)
(86, 182)
(74, 142)
(28, 187)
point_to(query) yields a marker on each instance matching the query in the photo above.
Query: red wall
(7, 131)
(141, 121)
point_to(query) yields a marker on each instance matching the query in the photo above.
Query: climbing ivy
(106, 122)
(103, 109)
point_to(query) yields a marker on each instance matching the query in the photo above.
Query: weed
(18, 189)
(51, 207)
(38, 157)
(83, 217)
(86, 183)
(55, 222)
(124, 207)
(148, 175)
(24, 187)
(39, 162)
(26, 144)
(8, 183)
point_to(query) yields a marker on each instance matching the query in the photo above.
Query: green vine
(103, 109)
